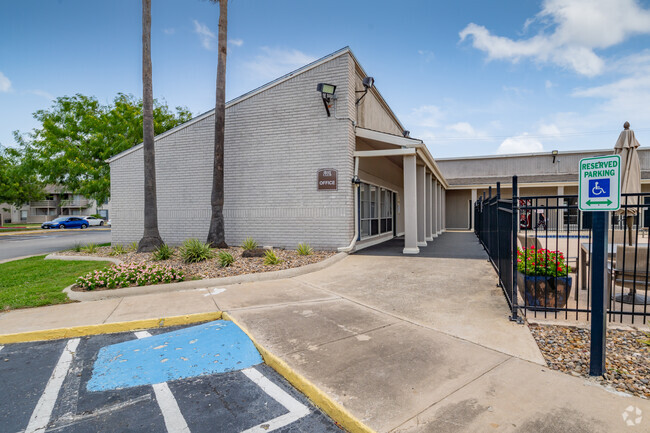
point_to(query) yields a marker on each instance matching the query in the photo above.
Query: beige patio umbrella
(626, 146)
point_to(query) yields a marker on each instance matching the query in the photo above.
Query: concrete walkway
(406, 344)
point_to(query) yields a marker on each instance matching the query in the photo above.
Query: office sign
(327, 179)
(600, 183)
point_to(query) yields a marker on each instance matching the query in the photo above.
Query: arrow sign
(607, 202)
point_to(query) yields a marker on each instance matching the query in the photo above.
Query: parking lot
(198, 378)
(49, 241)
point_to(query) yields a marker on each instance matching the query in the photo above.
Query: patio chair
(624, 275)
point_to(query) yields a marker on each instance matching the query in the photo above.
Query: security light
(367, 82)
(406, 133)
(554, 153)
(326, 92)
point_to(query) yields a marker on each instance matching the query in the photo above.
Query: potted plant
(543, 278)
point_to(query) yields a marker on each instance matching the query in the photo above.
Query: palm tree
(151, 237)
(216, 235)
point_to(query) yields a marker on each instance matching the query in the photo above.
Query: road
(12, 246)
(203, 378)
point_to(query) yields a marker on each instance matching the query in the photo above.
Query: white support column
(429, 207)
(444, 209)
(474, 198)
(410, 206)
(440, 226)
(421, 206)
(560, 214)
(436, 224)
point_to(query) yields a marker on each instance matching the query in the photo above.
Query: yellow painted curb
(108, 328)
(337, 412)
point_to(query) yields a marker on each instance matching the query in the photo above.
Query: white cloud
(427, 116)
(548, 84)
(171, 31)
(236, 42)
(207, 37)
(462, 128)
(275, 62)
(42, 93)
(549, 129)
(426, 55)
(571, 31)
(520, 144)
(5, 83)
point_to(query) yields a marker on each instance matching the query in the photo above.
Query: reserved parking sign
(600, 183)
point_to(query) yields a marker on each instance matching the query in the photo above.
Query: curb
(13, 259)
(55, 256)
(333, 409)
(107, 328)
(193, 284)
(41, 231)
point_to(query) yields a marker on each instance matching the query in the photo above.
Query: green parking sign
(600, 183)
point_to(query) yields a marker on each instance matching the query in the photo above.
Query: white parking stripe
(174, 420)
(296, 409)
(43, 410)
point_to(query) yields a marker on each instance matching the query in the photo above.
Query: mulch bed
(628, 355)
(210, 268)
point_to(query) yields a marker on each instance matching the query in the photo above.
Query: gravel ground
(628, 358)
(210, 268)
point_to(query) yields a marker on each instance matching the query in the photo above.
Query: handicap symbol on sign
(599, 188)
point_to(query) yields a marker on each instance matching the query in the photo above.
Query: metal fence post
(599, 299)
(513, 239)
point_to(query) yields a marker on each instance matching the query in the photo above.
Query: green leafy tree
(78, 134)
(18, 182)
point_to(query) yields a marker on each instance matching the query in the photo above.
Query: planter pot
(544, 292)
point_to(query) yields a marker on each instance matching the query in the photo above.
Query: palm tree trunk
(216, 235)
(151, 238)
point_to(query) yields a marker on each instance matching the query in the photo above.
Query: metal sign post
(599, 192)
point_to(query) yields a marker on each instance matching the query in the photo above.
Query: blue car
(66, 223)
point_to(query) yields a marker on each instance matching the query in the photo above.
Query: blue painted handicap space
(599, 188)
(214, 347)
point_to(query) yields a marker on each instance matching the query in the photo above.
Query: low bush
(91, 248)
(133, 246)
(249, 244)
(117, 250)
(225, 259)
(193, 251)
(304, 250)
(270, 258)
(125, 275)
(163, 252)
(77, 248)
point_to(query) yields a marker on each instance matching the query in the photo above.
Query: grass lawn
(34, 282)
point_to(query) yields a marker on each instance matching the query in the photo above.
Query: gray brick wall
(275, 143)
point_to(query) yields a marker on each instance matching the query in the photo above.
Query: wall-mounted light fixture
(367, 82)
(356, 180)
(406, 133)
(554, 153)
(327, 92)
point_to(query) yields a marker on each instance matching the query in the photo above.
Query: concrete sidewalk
(406, 344)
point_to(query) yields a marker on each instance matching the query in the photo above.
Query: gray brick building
(278, 138)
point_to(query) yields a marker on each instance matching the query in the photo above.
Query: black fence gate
(551, 229)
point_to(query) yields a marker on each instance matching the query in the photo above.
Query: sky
(469, 77)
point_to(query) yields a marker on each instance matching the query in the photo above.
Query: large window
(376, 211)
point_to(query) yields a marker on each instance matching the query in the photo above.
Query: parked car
(92, 221)
(66, 223)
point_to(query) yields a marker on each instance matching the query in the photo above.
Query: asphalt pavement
(20, 245)
(201, 378)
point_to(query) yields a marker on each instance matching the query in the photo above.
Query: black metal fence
(552, 238)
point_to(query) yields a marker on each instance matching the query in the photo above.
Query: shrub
(542, 262)
(133, 246)
(77, 248)
(193, 251)
(225, 259)
(304, 250)
(117, 250)
(91, 248)
(125, 275)
(249, 244)
(163, 252)
(270, 258)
